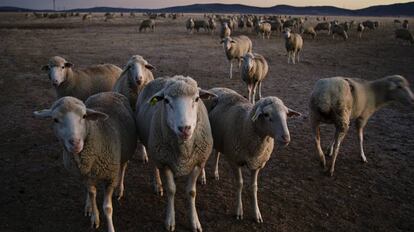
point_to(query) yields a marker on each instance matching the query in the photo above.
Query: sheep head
(57, 69)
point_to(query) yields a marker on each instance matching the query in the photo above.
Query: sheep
(235, 48)
(369, 24)
(264, 28)
(201, 23)
(338, 100)
(293, 44)
(87, 17)
(245, 134)
(405, 24)
(276, 25)
(212, 25)
(309, 31)
(98, 138)
(360, 29)
(80, 83)
(404, 34)
(177, 135)
(225, 31)
(190, 25)
(254, 71)
(325, 26)
(136, 74)
(339, 30)
(147, 23)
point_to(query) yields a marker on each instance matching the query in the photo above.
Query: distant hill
(403, 9)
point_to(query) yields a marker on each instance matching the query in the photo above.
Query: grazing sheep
(235, 48)
(147, 23)
(81, 83)
(225, 31)
(293, 44)
(339, 100)
(245, 134)
(309, 31)
(201, 23)
(177, 136)
(264, 28)
(339, 30)
(190, 25)
(404, 34)
(360, 29)
(325, 26)
(254, 71)
(98, 138)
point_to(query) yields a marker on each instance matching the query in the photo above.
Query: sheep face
(137, 71)
(70, 115)
(399, 90)
(270, 118)
(227, 43)
(57, 70)
(248, 62)
(286, 33)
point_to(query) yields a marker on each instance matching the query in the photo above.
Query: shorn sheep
(244, 133)
(177, 136)
(147, 23)
(338, 100)
(235, 48)
(293, 44)
(254, 71)
(98, 138)
(339, 30)
(80, 83)
(404, 35)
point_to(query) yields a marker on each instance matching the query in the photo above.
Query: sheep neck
(69, 82)
(378, 89)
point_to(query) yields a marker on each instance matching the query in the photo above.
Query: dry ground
(38, 194)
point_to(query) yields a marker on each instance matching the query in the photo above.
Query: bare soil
(38, 194)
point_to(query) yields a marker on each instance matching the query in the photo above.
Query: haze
(70, 4)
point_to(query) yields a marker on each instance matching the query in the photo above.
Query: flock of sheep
(103, 115)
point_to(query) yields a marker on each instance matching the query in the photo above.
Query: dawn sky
(70, 4)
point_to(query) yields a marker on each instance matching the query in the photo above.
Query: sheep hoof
(364, 161)
(95, 221)
(88, 210)
(203, 180)
(170, 227)
(259, 218)
(239, 217)
(216, 176)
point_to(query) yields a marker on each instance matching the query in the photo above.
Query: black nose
(184, 129)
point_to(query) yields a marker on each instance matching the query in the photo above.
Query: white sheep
(235, 48)
(80, 83)
(136, 74)
(264, 28)
(98, 138)
(177, 136)
(190, 25)
(244, 133)
(293, 44)
(338, 100)
(225, 30)
(254, 71)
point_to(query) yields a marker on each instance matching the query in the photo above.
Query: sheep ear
(156, 98)
(257, 114)
(95, 115)
(149, 66)
(293, 113)
(204, 94)
(68, 65)
(45, 68)
(42, 113)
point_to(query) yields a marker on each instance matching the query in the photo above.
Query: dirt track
(38, 194)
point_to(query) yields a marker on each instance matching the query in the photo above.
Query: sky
(151, 4)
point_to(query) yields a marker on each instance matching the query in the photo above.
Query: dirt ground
(38, 194)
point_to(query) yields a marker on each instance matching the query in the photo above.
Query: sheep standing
(245, 134)
(235, 48)
(339, 30)
(293, 44)
(190, 25)
(360, 29)
(147, 23)
(177, 136)
(212, 25)
(264, 28)
(99, 138)
(81, 83)
(309, 31)
(201, 23)
(325, 26)
(225, 31)
(405, 35)
(254, 71)
(339, 100)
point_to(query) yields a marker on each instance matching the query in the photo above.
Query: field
(38, 194)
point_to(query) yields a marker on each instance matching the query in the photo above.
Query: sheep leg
(231, 69)
(170, 189)
(157, 182)
(298, 56)
(95, 213)
(239, 180)
(191, 190)
(317, 138)
(360, 124)
(256, 210)
(339, 136)
(121, 186)
(203, 176)
(216, 166)
(249, 88)
(88, 205)
(143, 152)
(293, 57)
(260, 90)
(107, 207)
(331, 147)
(254, 93)
(289, 57)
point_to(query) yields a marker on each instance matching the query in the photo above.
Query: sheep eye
(197, 98)
(84, 116)
(56, 120)
(63, 67)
